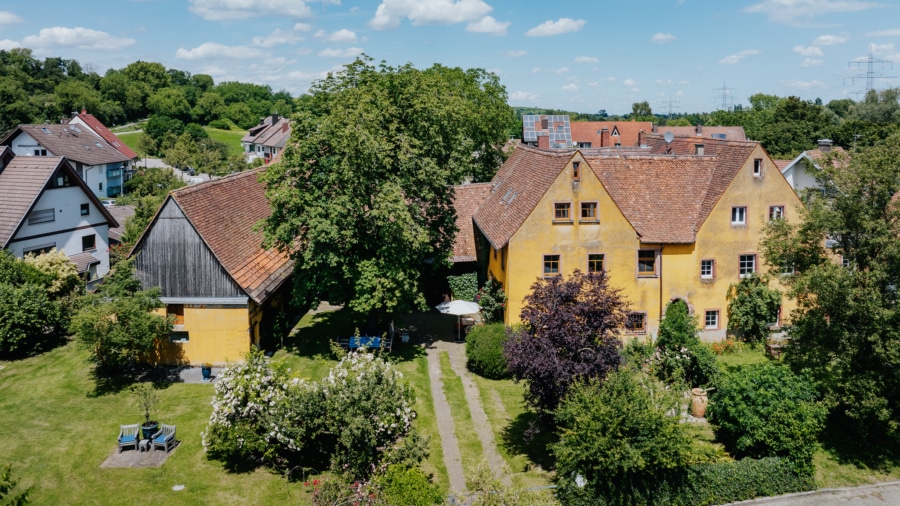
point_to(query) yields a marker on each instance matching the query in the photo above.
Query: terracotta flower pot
(699, 402)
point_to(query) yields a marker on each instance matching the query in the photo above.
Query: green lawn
(232, 138)
(131, 140)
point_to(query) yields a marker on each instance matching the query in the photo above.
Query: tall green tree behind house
(362, 195)
(846, 328)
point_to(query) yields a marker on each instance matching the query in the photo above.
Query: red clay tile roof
(100, 129)
(589, 131)
(224, 213)
(21, 184)
(467, 198)
(732, 133)
(781, 164)
(519, 185)
(63, 140)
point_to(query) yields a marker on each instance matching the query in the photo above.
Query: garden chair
(128, 436)
(386, 344)
(164, 437)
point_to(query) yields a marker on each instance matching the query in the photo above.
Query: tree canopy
(362, 194)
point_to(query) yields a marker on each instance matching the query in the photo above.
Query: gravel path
(479, 418)
(452, 459)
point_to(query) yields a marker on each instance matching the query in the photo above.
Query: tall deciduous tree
(570, 333)
(362, 194)
(846, 328)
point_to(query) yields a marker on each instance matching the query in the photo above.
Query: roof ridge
(186, 190)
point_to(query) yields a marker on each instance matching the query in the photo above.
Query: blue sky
(576, 55)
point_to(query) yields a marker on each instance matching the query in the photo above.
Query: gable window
(42, 216)
(707, 269)
(40, 152)
(562, 211)
(595, 262)
(576, 170)
(646, 262)
(551, 266)
(89, 242)
(589, 211)
(757, 167)
(739, 216)
(101, 185)
(711, 320)
(85, 209)
(747, 265)
(636, 323)
(776, 213)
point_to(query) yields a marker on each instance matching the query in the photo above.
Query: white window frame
(714, 313)
(739, 216)
(744, 261)
(712, 268)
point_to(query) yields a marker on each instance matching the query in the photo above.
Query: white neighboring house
(98, 163)
(87, 120)
(799, 172)
(46, 205)
(266, 139)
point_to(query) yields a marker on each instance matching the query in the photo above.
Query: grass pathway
(449, 444)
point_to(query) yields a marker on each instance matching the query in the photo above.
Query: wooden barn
(223, 288)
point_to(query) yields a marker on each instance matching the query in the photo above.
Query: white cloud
(342, 35)
(220, 10)
(895, 32)
(304, 50)
(793, 12)
(563, 25)
(610, 79)
(808, 51)
(570, 87)
(216, 50)
(829, 40)
(811, 62)
(302, 27)
(802, 85)
(631, 83)
(78, 37)
(734, 58)
(8, 18)
(427, 12)
(535, 70)
(884, 51)
(561, 70)
(518, 53)
(350, 52)
(586, 59)
(522, 96)
(593, 84)
(7, 44)
(489, 25)
(663, 38)
(277, 38)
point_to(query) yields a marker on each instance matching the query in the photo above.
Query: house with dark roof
(89, 121)
(678, 220)
(222, 286)
(267, 139)
(100, 165)
(46, 206)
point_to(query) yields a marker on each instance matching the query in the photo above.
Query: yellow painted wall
(678, 265)
(217, 335)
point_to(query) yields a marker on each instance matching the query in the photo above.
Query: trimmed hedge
(484, 351)
(701, 484)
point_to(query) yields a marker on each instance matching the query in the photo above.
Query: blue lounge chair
(128, 436)
(164, 437)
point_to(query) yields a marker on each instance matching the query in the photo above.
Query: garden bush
(220, 124)
(484, 351)
(765, 410)
(464, 286)
(492, 300)
(680, 356)
(407, 486)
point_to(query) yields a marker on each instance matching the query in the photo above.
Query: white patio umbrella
(458, 308)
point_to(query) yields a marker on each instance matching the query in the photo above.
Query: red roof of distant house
(100, 129)
(589, 131)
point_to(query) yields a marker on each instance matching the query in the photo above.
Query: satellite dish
(668, 136)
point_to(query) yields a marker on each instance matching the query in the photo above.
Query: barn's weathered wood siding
(173, 257)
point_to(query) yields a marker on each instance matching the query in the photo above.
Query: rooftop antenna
(668, 137)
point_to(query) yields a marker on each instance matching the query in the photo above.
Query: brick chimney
(655, 129)
(699, 129)
(544, 142)
(698, 149)
(285, 126)
(825, 145)
(604, 137)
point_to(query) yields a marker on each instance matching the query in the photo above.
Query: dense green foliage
(116, 324)
(617, 437)
(9, 496)
(767, 411)
(680, 356)
(492, 300)
(407, 486)
(846, 328)
(464, 286)
(484, 351)
(361, 195)
(752, 308)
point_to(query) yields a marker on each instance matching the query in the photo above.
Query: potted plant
(206, 370)
(146, 398)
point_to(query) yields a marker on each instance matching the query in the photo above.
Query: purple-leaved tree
(569, 333)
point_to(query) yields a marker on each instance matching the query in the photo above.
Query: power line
(870, 75)
(727, 97)
(671, 104)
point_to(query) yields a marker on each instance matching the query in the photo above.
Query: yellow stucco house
(222, 287)
(665, 221)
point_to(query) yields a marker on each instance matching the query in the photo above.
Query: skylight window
(46, 130)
